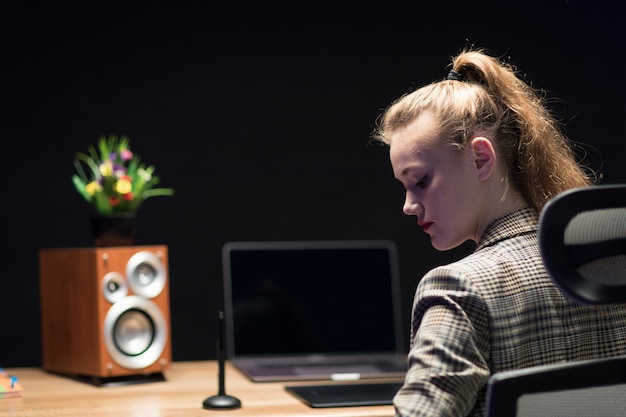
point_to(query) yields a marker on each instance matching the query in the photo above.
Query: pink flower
(126, 155)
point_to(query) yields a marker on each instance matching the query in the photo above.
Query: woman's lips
(424, 225)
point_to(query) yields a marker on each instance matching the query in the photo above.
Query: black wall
(260, 119)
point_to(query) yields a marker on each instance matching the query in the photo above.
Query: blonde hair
(487, 97)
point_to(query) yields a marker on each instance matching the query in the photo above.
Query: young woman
(479, 155)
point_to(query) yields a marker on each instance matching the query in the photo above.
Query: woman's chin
(443, 245)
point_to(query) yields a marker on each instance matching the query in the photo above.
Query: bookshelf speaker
(105, 312)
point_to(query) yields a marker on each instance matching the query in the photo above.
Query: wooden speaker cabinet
(105, 312)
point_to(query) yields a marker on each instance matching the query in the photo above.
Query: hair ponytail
(539, 158)
(483, 95)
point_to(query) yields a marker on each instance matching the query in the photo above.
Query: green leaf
(101, 200)
(158, 192)
(81, 188)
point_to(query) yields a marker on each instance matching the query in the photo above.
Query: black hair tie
(456, 76)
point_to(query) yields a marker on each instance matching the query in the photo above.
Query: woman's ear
(484, 156)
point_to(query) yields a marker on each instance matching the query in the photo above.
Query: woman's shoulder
(506, 260)
(523, 222)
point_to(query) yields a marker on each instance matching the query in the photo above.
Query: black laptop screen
(311, 297)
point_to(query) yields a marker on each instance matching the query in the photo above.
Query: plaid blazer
(496, 310)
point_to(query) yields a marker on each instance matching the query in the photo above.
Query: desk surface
(187, 384)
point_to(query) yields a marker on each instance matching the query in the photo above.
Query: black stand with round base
(221, 401)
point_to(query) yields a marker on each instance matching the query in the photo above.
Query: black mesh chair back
(582, 238)
(594, 388)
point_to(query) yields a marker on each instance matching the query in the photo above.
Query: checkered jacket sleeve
(450, 334)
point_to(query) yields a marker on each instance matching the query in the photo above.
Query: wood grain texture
(187, 385)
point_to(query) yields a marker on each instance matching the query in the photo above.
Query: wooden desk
(187, 385)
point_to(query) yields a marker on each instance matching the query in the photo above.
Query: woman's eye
(422, 182)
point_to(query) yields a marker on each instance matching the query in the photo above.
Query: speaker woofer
(135, 332)
(146, 274)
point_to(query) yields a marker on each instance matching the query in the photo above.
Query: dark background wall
(259, 117)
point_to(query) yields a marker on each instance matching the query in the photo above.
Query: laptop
(313, 310)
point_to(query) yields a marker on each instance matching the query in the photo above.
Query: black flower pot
(115, 229)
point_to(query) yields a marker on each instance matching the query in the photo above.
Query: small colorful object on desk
(9, 387)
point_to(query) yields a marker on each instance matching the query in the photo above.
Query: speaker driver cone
(135, 332)
(146, 274)
(114, 287)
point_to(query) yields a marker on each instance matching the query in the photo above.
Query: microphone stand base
(220, 402)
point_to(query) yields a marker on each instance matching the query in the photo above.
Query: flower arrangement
(117, 181)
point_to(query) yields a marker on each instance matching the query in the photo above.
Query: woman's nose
(411, 207)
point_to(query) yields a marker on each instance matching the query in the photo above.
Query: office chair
(582, 238)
